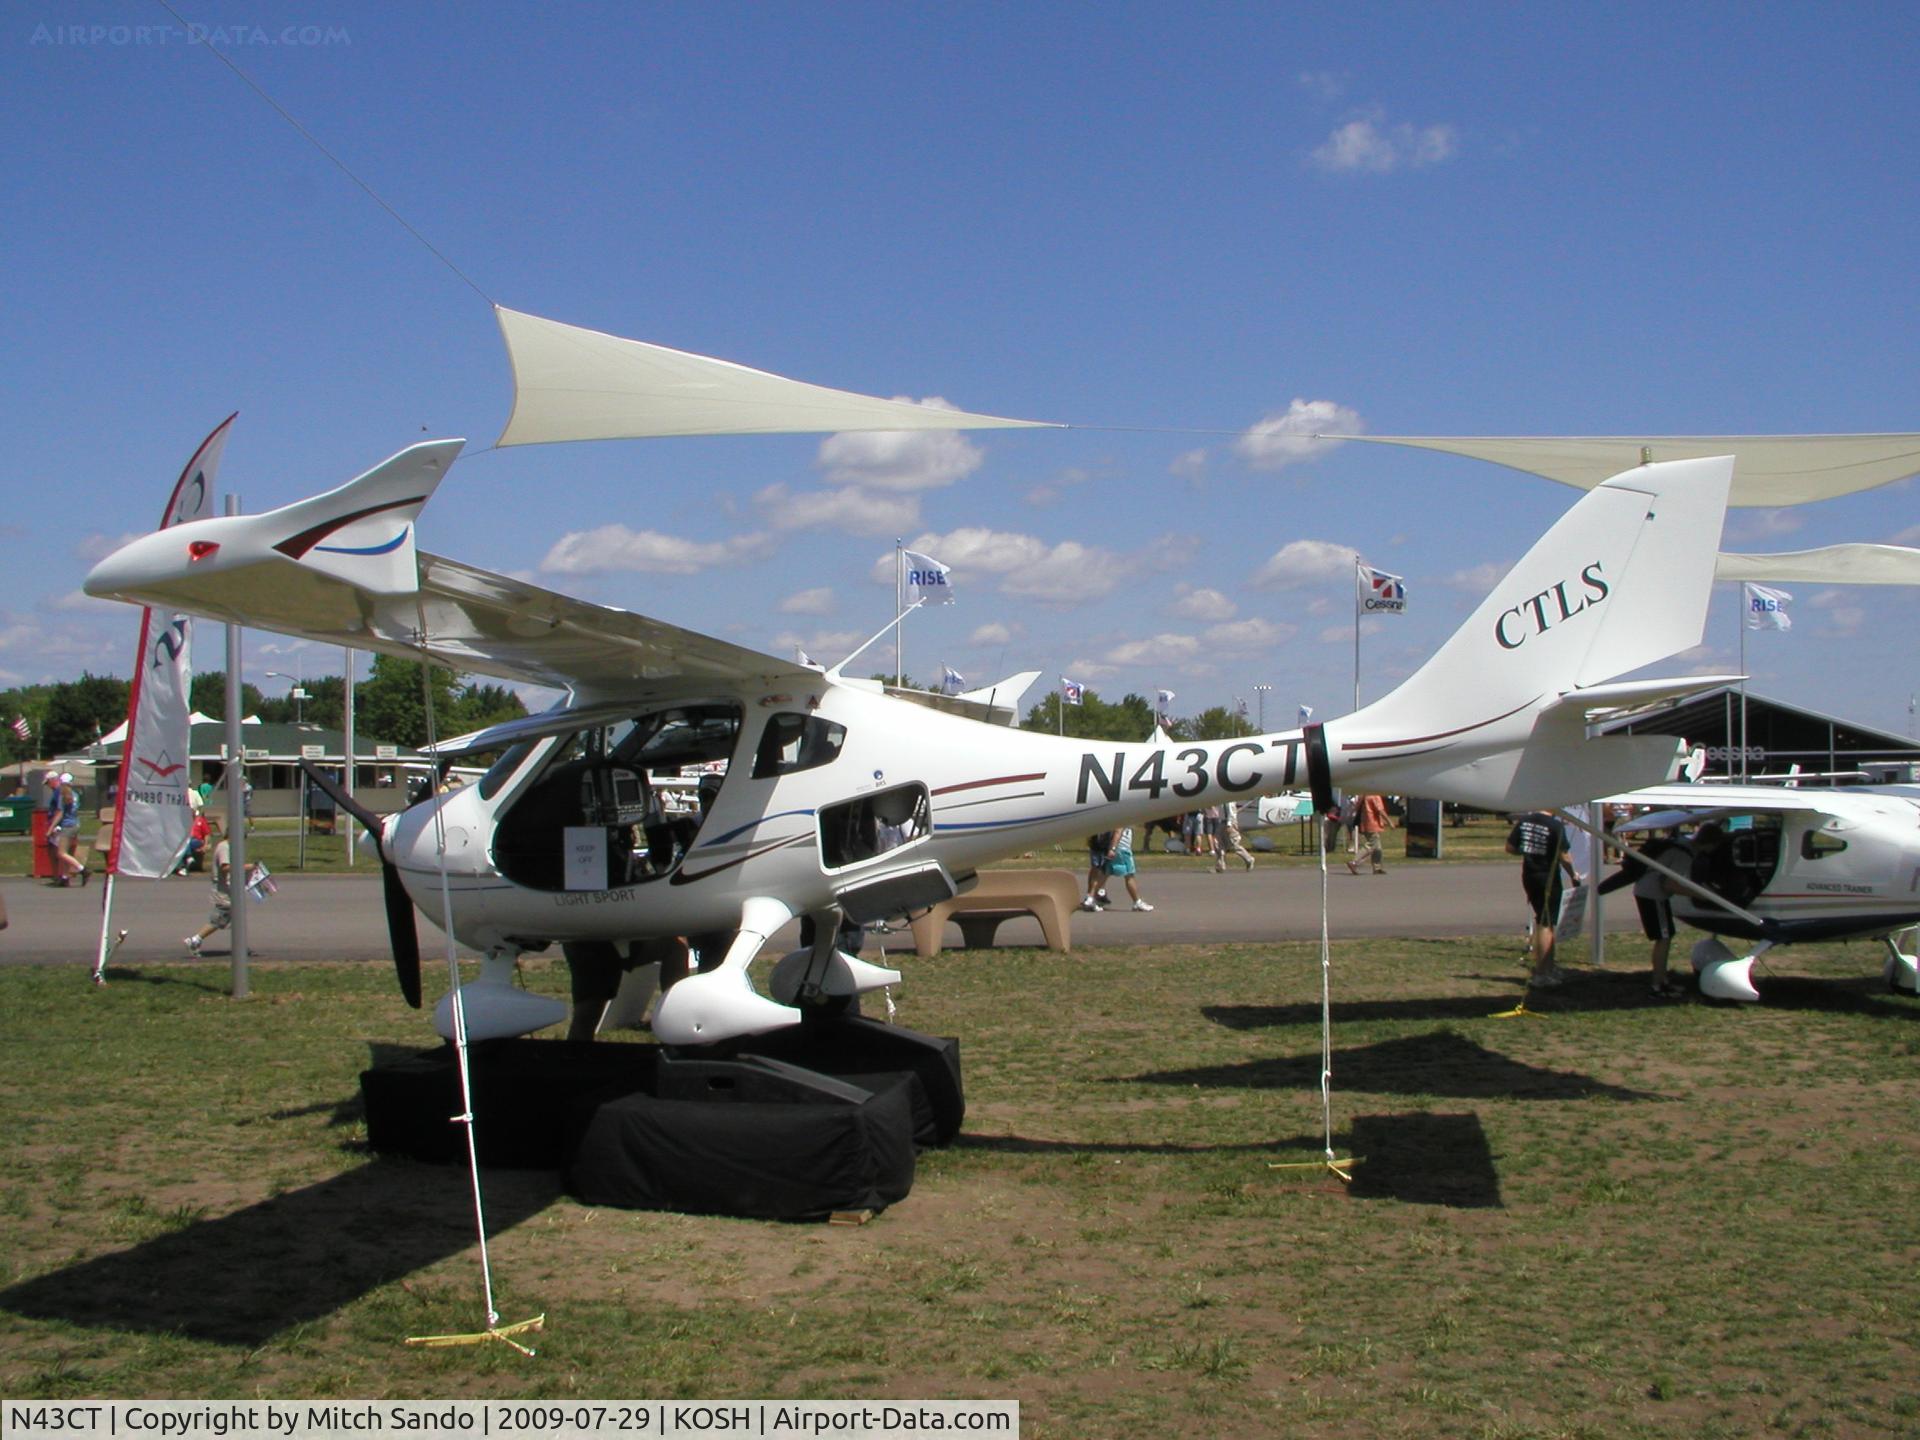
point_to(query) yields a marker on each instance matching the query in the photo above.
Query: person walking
(63, 828)
(1370, 818)
(1231, 841)
(1120, 864)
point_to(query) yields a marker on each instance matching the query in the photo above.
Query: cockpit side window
(1818, 845)
(793, 742)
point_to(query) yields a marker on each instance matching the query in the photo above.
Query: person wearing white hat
(63, 828)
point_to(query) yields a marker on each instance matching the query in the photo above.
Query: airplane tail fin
(323, 568)
(1498, 716)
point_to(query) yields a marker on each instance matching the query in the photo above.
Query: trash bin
(16, 815)
(42, 859)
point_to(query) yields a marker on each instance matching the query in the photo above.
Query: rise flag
(927, 582)
(1765, 607)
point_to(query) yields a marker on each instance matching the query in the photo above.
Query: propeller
(402, 934)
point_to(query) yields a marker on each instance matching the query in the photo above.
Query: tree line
(389, 705)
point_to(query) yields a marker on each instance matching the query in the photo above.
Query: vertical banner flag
(952, 682)
(927, 582)
(153, 817)
(1766, 607)
(1379, 593)
(1072, 691)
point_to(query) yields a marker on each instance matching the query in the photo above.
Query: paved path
(340, 917)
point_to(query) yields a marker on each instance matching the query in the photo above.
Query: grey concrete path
(340, 917)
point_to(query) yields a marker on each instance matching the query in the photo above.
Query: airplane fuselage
(970, 794)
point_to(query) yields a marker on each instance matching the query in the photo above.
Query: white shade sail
(1830, 565)
(1768, 469)
(575, 384)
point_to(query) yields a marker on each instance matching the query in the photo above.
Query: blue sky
(1179, 227)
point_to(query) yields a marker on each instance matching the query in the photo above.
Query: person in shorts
(1653, 897)
(1540, 840)
(1120, 865)
(1099, 847)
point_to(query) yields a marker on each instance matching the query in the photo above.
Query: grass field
(1619, 1217)
(277, 842)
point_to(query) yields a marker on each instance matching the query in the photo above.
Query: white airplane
(838, 800)
(1793, 865)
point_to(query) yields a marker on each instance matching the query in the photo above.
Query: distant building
(1776, 737)
(273, 755)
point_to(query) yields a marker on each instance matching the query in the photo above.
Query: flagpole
(1356, 630)
(340, 816)
(899, 610)
(1740, 619)
(235, 779)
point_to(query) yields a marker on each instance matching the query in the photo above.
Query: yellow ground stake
(1518, 1012)
(502, 1333)
(1339, 1167)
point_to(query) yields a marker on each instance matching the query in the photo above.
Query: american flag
(23, 727)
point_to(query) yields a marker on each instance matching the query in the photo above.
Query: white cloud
(1370, 145)
(818, 601)
(1324, 85)
(1908, 536)
(1305, 562)
(1479, 580)
(96, 547)
(1291, 438)
(1253, 633)
(616, 548)
(992, 633)
(1190, 466)
(80, 600)
(824, 646)
(899, 459)
(1751, 525)
(1160, 650)
(1202, 604)
(857, 511)
(1844, 613)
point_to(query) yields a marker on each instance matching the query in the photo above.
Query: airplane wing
(1690, 804)
(341, 569)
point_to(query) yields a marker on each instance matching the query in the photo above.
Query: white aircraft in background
(1794, 865)
(840, 800)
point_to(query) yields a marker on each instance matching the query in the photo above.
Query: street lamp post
(298, 693)
(1261, 691)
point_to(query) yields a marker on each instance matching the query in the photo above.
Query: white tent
(575, 384)
(1830, 565)
(1768, 469)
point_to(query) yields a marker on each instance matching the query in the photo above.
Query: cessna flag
(1379, 593)
(1072, 691)
(153, 813)
(1766, 607)
(927, 582)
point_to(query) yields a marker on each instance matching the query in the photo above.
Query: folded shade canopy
(575, 384)
(1768, 469)
(1830, 565)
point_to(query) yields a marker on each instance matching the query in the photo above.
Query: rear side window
(793, 742)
